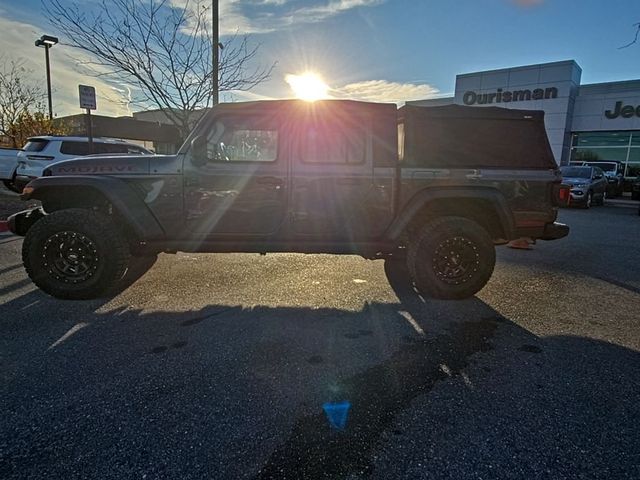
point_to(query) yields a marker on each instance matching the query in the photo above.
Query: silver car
(588, 185)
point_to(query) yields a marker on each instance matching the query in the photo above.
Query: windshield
(576, 172)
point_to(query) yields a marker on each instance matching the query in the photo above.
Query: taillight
(561, 194)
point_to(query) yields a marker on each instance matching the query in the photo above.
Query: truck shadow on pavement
(422, 389)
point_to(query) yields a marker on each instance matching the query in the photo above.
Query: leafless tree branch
(635, 38)
(163, 51)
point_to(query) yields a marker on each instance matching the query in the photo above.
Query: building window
(622, 147)
(600, 154)
(601, 139)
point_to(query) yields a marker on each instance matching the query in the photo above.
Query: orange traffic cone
(522, 243)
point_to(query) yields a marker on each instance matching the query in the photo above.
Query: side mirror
(199, 151)
(598, 176)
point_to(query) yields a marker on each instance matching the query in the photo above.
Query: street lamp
(47, 41)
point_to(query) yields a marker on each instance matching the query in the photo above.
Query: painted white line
(76, 328)
(409, 318)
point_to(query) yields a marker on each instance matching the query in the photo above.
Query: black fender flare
(124, 200)
(420, 199)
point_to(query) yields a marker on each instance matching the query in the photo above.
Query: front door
(238, 186)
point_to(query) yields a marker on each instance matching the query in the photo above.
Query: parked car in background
(635, 189)
(41, 152)
(588, 185)
(614, 172)
(8, 165)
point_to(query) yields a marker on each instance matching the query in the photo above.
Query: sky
(377, 50)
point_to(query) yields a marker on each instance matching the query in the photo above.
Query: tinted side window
(110, 148)
(74, 148)
(333, 142)
(35, 145)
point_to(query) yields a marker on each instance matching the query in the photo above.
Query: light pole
(215, 53)
(47, 41)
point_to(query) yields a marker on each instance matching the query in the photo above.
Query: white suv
(40, 152)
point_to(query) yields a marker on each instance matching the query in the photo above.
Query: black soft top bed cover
(454, 136)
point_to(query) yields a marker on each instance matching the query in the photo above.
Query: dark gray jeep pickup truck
(436, 187)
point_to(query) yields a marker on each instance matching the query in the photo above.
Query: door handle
(270, 181)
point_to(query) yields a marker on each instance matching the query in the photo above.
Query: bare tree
(162, 50)
(21, 105)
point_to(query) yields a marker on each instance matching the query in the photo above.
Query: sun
(308, 86)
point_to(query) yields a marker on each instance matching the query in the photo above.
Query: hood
(575, 180)
(103, 165)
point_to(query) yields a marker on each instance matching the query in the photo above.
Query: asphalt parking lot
(291, 366)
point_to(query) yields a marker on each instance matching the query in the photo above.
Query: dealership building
(599, 121)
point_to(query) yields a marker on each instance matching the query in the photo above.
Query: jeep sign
(505, 96)
(626, 111)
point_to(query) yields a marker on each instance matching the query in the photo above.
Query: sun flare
(308, 86)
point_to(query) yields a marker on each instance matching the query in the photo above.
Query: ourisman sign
(502, 96)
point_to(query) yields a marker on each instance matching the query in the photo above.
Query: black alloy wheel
(75, 254)
(450, 258)
(70, 257)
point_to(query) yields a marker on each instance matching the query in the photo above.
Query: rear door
(240, 187)
(332, 178)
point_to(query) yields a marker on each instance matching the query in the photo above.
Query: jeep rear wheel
(451, 258)
(75, 254)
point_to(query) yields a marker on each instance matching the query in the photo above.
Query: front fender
(122, 197)
(421, 199)
(20, 222)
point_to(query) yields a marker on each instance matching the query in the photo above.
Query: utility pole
(215, 52)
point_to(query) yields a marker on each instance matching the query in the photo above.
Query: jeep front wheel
(75, 254)
(451, 258)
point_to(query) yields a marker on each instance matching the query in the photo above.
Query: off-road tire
(47, 245)
(428, 251)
